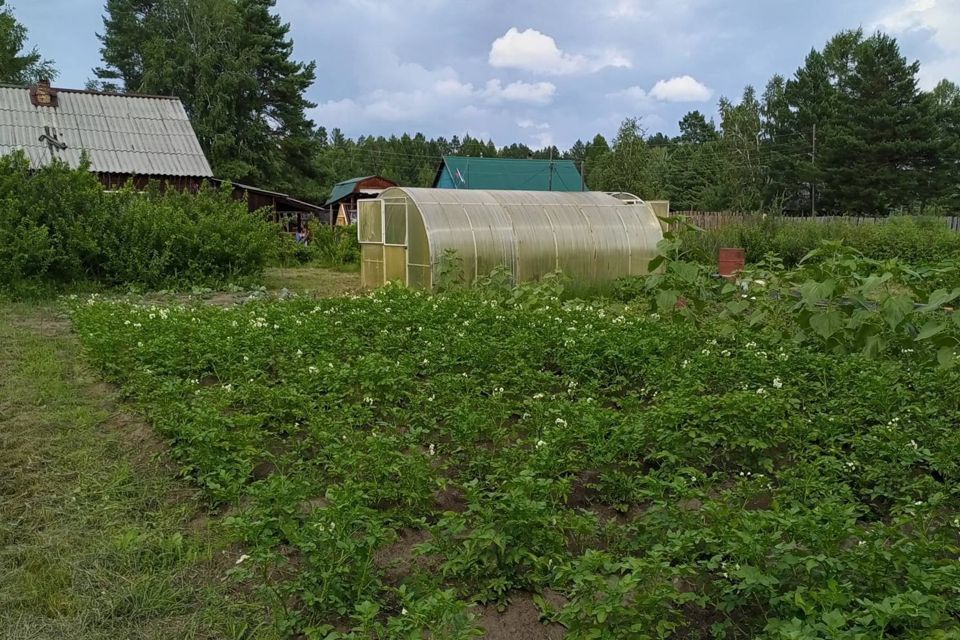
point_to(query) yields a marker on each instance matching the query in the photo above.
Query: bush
(333, 247)
(159, 238)
(49, 223)
(58, 226)
(915, 241)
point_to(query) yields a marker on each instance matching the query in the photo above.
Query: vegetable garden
(777, 458)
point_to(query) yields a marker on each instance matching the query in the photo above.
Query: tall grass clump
(912, 240)
(59, 227)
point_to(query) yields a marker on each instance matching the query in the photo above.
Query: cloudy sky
(540, 72)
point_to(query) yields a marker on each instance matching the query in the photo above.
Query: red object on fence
(730, 262)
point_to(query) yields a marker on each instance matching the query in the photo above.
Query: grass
(98, 539)
(319, 281)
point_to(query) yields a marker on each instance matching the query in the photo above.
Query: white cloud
(636, 95)
(940, 20)
(439, 95)
(544, 139)
(626, 9)
(531, 50)
(527, 123)
(529, 92)
(452, 88)
(681, 89)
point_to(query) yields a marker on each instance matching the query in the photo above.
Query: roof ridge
(92, 92)
(499, 159)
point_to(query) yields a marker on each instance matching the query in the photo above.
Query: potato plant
(720, 467)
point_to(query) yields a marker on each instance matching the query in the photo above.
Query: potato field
(697, 459)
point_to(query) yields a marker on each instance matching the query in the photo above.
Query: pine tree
(229, 61)
(888, 155)
(16, 65)
(945, 105)
(694, 129)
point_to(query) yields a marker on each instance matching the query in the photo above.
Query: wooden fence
(710, 220)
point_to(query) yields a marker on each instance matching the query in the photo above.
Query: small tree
(16, 65)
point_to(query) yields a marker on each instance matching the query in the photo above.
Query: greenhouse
(592, 238)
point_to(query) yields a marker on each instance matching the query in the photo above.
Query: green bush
(49, 223)
(912, 240)
(58, 226)
(334, 247)
(157, 238)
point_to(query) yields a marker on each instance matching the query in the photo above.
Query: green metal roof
(342, 189)
(458, 172)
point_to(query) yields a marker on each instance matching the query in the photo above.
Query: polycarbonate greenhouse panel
(418, 246)
(592, 238)
(449, 229)
(395, 222)
(395, 264)
(370, 221)
(371, 266)
(419, 277)
(493, 238)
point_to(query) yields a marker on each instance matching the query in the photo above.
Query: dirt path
(98, 539)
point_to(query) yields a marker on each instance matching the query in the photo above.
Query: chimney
(43, 95)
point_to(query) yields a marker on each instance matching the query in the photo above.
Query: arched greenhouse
(593, 238)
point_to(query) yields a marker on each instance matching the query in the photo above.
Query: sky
(539, 72)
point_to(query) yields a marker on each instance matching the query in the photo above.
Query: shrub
(913, 240)
(49, 222)
(334, 247)
(157, 238)
(58, 226)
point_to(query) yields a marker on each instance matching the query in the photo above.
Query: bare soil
(519, 621)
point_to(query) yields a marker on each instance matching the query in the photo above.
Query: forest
(850, 131)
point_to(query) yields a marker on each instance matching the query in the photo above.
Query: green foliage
(156, 238)
(849, 131)
(58, 226)
(335, 246)
(916, 241)
(16, 65)
(331, 247)
(775, 457)
(229, 61)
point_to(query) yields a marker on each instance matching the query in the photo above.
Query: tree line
(850, 131)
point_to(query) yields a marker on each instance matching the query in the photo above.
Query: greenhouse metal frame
(592, 238)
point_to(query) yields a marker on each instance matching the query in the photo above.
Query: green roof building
(507, 174)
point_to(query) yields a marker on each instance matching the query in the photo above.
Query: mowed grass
(318, 281)
(98, 539)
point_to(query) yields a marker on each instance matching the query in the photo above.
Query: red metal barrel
(730, 261)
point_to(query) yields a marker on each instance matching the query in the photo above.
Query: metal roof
(283, 198)
(510, 174)
(342, 189)
(128, 134)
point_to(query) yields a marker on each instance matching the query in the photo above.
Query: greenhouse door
(395, 240)
(370, 235)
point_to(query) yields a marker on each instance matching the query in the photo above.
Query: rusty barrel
(730, 261)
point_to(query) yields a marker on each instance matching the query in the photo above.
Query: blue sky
(539, 72)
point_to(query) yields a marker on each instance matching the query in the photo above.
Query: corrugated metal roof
(148, 136)
(461, 172)
(343, 189)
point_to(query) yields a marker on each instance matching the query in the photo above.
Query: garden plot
(405, 465)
